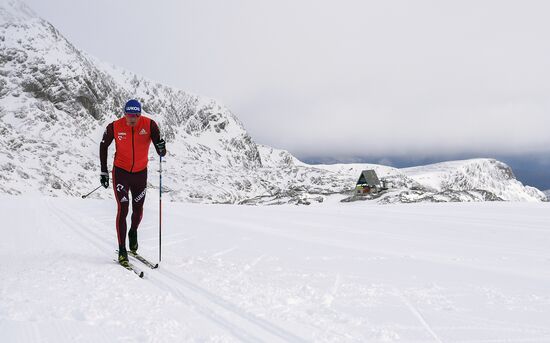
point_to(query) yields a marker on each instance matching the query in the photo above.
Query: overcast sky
(341, 78)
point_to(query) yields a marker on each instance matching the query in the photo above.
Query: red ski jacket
(132, 143)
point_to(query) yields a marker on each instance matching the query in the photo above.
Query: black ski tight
(125, 183)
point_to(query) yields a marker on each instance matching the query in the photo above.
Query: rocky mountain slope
(56, 100)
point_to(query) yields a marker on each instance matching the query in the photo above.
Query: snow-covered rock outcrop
(468, 180)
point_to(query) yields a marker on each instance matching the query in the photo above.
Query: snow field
(455, 272)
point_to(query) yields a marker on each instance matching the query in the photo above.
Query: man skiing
(133, 134)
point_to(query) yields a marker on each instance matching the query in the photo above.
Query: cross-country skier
(133, 134)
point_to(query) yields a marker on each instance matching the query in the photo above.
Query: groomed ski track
(246, 327)
(344, 273)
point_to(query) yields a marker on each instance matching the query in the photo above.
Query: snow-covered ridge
(56, 100)
(477, 179)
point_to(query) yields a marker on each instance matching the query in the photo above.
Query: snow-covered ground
(452, 272)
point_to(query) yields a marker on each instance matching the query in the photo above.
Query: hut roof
(369, 178)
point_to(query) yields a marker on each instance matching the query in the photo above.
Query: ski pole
(85, 196)
(160, 208)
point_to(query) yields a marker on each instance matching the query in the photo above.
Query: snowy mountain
(56, 100)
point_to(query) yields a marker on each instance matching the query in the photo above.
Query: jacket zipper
(131, 169)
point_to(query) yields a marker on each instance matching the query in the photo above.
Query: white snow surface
(449, 272)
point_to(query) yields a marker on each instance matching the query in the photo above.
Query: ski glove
(105, 180)
(161, 147)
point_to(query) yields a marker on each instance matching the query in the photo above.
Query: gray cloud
(342, 78)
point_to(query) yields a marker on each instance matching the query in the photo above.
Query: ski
(143, 260)
(130, 267)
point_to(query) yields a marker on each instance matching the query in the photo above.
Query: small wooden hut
(368, 183)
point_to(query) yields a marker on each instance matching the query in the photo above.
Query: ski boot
(132, 237)
(123, 256)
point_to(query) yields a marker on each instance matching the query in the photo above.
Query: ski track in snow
(181, 288)
(418, 315)
(278, 274)
(223, 252)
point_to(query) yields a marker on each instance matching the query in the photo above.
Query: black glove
(105, 180)
(161, 147)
